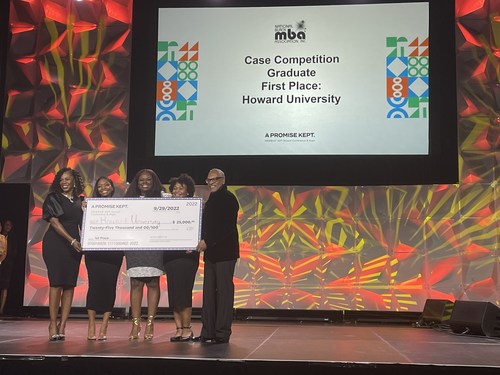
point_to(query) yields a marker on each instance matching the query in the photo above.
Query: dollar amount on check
(141, 224)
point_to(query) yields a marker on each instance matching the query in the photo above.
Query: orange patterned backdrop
(317, 248)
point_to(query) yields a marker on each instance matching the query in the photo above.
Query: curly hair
(155, 191)
(183, 179)
(95, 191)
(78, 182)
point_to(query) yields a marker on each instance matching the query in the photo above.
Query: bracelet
(72, 242)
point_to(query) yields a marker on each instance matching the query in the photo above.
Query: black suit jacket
(218, 228)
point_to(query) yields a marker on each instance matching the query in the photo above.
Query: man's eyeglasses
(210, 180)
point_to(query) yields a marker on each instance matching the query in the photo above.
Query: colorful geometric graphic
(375, 248)
(407, 70)
(177, 81)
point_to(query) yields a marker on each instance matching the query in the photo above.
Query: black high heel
(176, 338)
(186, 338)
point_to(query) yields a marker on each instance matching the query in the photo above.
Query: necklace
(70, 197)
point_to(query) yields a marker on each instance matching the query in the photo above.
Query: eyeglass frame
(213, 179)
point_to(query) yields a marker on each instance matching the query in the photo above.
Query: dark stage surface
(256, 347)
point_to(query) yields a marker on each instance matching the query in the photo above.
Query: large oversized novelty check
(141, 224)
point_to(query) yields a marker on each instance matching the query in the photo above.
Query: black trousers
(218, 299)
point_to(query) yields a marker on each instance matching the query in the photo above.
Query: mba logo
(286, 33)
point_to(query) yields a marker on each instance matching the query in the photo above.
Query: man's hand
(202, 246)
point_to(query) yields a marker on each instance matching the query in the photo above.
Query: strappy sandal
(148, 333)
(136, 329)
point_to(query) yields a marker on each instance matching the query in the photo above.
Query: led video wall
(384, 248)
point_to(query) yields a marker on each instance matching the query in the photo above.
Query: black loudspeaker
(436, 311)
(475, 318)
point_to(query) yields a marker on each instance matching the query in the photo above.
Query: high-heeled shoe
(136, 329)
(178, 335)
(53, 336)
(148, 333)
(186, 338)
(60, 331)
(91, 333)
(102, 332)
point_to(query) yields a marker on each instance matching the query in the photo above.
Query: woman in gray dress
(144, 267)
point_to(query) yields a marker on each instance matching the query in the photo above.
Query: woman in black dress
(103, 268)
(61, 248)
(181, 268)
(144, 267)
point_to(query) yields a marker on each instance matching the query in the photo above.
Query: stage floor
(255, 347)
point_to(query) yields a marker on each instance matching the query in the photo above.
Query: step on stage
(256, 347)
